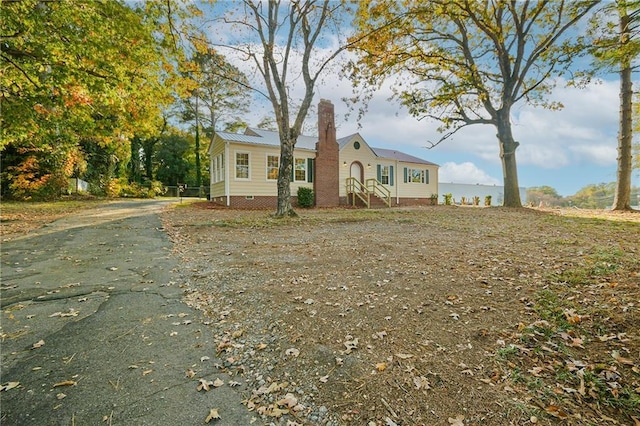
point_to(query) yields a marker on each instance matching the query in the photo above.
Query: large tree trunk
(622, 199)
(284, 179)
(508, 156)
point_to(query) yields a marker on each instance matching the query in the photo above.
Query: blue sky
(567, 149)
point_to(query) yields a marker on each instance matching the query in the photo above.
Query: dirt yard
(422, 316)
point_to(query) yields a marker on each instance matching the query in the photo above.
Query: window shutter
(391, 175)
(379, 167)
(405, 175)
(426, 177)
(310, 170)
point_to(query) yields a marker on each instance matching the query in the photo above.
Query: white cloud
(583, 132)
(466, 172)
(601, 155)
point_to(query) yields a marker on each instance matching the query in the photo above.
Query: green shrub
(448, 199)
(487, 200)
(305, 197)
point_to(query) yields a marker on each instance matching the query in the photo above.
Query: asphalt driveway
(94, 330)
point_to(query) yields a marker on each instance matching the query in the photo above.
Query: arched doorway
(357, 171)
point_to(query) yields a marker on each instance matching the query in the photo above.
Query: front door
(356, 171)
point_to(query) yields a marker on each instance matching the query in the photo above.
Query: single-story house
(346, 171)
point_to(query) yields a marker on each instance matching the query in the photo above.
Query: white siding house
(244, 169)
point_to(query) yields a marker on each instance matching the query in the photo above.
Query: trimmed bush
(305, 197)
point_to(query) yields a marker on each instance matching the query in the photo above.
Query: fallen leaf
(38, 344)
(351, 345)
(404, 356)
(65, 383)
(217, 383)
(204, 358)
(324, 379)
(204, 384)
(381, 366)
(457, 421)
(616, 355)
(292, 352)
(190, 373)
(261, 346)
(145, 372)
(289, 401)
(61, 395)
(213, 415)
(421, 383)
(277, 412)
(556, 411)
(9, 385)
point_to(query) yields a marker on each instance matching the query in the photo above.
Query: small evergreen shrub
(448, 199)
(305, 197)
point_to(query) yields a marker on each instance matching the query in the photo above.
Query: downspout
(226, 172)
(397, 184)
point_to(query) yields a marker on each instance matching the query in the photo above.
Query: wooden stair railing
(376, 188)
(355, 188)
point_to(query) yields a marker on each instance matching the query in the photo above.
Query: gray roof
(267, 137)
(257, 136)
(400, 156)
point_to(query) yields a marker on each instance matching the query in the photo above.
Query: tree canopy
(284, 42)
(75, 71)
(464, 62)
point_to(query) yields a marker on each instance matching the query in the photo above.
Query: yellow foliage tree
(467, 62)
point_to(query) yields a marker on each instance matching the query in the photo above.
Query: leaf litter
(415, 315)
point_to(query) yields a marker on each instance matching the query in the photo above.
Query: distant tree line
(595, 196)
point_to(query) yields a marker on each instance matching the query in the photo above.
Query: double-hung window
(385, 174)
(218, 168)
(300, 170)
(273, 163)
(242, 165)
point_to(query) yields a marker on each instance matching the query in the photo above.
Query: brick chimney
(326, 182)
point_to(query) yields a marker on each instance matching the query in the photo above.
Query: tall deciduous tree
(286, 41)
(219, 94)
(616, 48)
(468, 62)
(79, 70)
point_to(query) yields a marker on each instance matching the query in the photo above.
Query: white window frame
(303, 162)
(221, 168)
(384, 167)
(218, 168)
(410, 175)
(248, 165)
(268, 168)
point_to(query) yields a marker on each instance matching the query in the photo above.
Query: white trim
(266, 166)
(226, 172)
(306, 172)
(235, 165)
